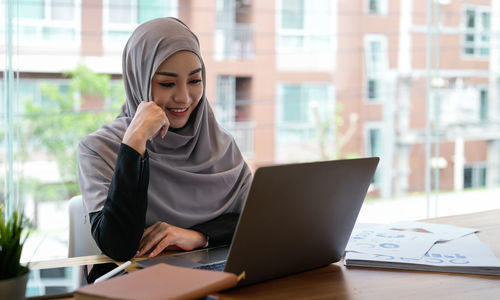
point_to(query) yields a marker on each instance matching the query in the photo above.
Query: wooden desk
(338, 282)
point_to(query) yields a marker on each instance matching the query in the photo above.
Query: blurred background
(414, 82)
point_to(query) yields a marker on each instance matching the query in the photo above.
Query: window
(49, 20)
(300, 108)
(376, 66)
(475, 175)
(232, 111)
(476, 38)
(225, 103)
(376, 6)
(306, 122)
(233, 39)
(373, 144)
(483, 105)
(121, 17)
(306, 34)
(293, 15)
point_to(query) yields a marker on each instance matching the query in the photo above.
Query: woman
(163, 174)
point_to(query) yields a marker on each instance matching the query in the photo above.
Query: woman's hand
(161, 236)
(149, 121)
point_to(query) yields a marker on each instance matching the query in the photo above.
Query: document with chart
(377, 240)
(466, 254)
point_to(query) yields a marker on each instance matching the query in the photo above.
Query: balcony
(234, 43)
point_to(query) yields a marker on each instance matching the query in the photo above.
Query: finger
(149, 242)
(164, 130)
(167, 241)
(151, 228)
(147, 232)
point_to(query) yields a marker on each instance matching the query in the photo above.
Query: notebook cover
(160, 281)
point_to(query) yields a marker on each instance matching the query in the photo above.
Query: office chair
(81, 242)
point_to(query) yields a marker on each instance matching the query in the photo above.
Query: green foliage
(58, 124)
(11, 244)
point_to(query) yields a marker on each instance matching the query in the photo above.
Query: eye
(195, 81)
(166, 84)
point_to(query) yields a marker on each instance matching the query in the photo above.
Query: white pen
(113, 272)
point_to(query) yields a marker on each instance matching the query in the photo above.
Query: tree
(331, 124)
(58, 124)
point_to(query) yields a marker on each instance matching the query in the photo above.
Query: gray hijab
(197, 172)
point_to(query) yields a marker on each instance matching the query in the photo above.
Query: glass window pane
(58, 33)
(470, 16)
(485, 20)
(151, 9)
(31, 9)
(120, 11)
(292, 107)
(374, 6)
(292, 14)
(373, 88)
(62, 9)
(483, 105)
(468, 177)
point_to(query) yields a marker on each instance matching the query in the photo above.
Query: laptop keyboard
(213, 267)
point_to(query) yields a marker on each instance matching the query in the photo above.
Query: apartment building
(297, 80)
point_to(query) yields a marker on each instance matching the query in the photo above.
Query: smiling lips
(179, 112)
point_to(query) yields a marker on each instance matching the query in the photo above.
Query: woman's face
(177, 87)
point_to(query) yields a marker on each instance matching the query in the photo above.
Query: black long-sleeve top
(118, 227)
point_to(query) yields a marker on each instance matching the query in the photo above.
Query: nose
(181, 94)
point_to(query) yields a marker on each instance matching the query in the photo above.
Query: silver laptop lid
(298, 217)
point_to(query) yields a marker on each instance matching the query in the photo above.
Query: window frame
(476, 169)
(48, 22)
(383, 7)
(112, 46)
(281, 124)
(368, 145)
(375, 71)
(476, 32)
(306, 34)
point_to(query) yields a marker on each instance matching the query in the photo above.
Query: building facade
(297, 80)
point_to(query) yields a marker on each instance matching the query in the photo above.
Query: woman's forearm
(118, 227)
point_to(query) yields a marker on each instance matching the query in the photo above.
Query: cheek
(159, 96)
(196, 93)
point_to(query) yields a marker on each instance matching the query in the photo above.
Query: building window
(378, 7)
(293, 15)
(48, 21)
(373, 142)
(476, 39)
(376, 66)
(232, 110)
(483, 105)
(306, 35)
(300, 107)
(475, 175)
(305, 25)
(121, 17)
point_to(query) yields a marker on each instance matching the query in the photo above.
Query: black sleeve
(219, 230)
(118, 227)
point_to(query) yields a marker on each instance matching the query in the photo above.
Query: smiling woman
(163, 174)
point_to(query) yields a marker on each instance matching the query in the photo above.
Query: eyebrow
(177, 75)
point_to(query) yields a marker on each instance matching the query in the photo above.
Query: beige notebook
(161, 281)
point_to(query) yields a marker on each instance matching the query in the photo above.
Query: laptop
(296, 217)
